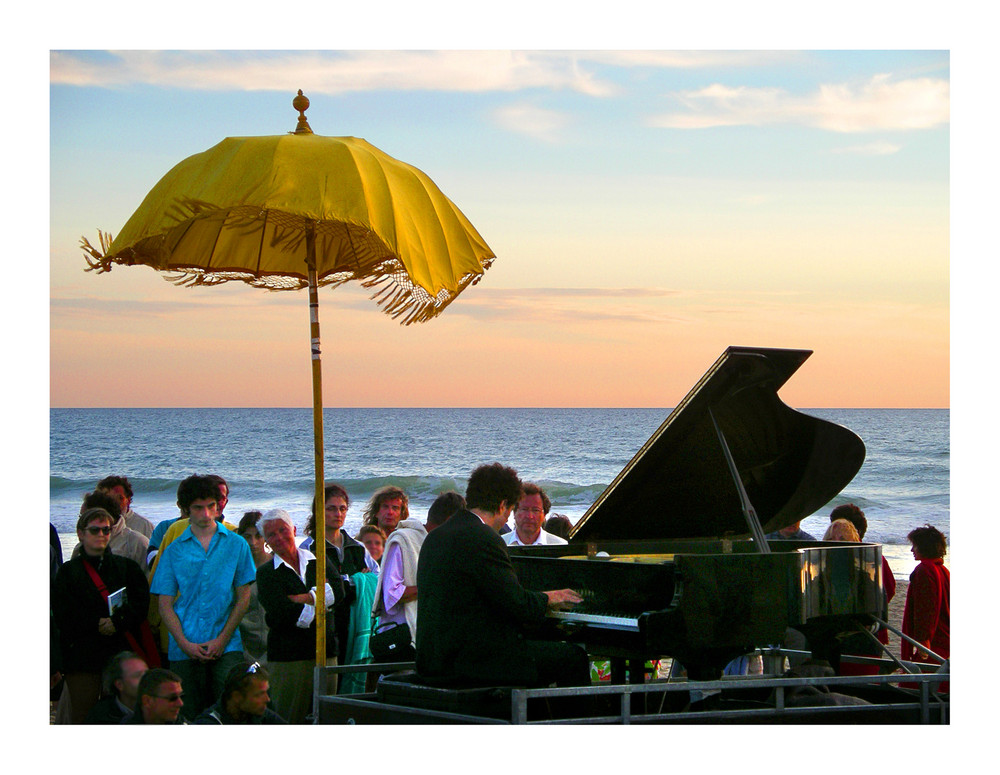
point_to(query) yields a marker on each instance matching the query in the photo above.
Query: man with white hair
(286, 587)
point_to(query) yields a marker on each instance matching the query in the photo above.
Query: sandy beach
(896, 613)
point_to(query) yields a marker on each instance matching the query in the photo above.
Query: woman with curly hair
(927, 613)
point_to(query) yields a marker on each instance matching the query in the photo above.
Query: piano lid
(678, 485)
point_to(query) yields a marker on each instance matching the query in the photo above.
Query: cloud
(339, 72)
(540, 123)
(689, 60)
(532, 294)
(329, 72)
(181, 303)
(569, 305)
(870, 149)
(522, 305)
(879, 104)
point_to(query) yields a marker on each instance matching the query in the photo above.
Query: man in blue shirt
(790, 533)
(209, 569)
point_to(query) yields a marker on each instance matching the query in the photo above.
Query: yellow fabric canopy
(302, 210)
(242, 210)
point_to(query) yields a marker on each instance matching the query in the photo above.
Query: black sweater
(77, 606)
(285, 641)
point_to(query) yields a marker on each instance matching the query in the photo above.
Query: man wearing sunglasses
(161, 698)
(244, 699)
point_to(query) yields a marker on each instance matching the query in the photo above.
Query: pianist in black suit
(474, 612)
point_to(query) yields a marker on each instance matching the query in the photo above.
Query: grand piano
(672, 559)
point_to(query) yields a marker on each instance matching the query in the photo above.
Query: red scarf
(148, 650)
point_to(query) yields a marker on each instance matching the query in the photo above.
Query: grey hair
(275, 515)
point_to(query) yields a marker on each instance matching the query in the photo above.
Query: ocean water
(266, 455)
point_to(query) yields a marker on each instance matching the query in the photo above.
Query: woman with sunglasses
(94, 619)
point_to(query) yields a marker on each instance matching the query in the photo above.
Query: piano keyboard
(642, 559)
(597, 620)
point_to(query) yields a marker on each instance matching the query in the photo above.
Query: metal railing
(321, 674)
(780, 686)
(656, 693)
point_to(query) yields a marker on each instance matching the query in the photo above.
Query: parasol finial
(301, 104)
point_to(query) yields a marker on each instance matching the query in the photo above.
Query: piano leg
(619, 668)
(626, 670)
(632, 671)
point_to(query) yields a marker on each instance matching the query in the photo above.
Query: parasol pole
(301, 104)
(317, 382)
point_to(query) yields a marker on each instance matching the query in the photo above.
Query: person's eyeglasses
(169, 697)
(531, 511)
(106, 530)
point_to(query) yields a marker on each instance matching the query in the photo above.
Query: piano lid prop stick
(748, 511)
(885, 650)
(914, 643)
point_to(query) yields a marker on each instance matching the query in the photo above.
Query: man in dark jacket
(160, 699)
(244, 699)
(474, 613)
(121, 687)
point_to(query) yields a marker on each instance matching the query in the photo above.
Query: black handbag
(392, 643)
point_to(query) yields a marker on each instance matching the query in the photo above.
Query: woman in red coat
(927, 613)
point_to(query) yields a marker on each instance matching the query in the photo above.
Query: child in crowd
(374, 540)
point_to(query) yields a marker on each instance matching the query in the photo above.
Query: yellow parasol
(301, 210)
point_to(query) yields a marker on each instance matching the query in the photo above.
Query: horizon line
(369, 408)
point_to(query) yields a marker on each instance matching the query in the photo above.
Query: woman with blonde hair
(841, 530)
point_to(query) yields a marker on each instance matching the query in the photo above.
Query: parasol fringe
(97, 260)
(394, 293)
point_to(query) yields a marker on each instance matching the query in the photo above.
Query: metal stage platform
(762, 699)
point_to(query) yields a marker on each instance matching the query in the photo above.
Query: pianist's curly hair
(490, 485)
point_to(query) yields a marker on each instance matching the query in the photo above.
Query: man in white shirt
(529, 515)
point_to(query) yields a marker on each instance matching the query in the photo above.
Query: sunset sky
(648, 208)
(658, 181)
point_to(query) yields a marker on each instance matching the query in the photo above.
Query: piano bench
(410, 690)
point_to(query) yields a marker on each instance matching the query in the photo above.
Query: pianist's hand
(561, 599)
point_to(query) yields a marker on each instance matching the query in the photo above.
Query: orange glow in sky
(648, 209)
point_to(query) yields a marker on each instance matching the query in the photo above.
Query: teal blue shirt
(207, 583)
(159, 531)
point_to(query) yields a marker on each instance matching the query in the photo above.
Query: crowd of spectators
(198, 620)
